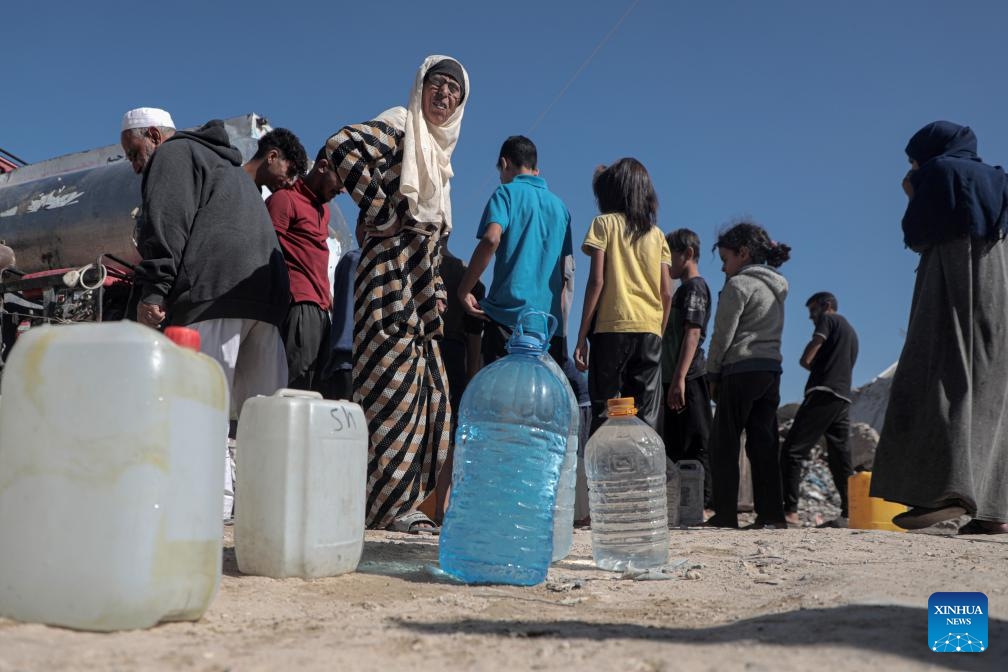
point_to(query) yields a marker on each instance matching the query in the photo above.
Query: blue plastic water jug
(514, 422)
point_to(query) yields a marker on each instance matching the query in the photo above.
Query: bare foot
(792, 518)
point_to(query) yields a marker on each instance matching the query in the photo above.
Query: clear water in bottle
(514, 422)
(625, 461)
(563, 512)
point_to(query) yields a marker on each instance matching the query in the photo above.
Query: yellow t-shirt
(631, 297)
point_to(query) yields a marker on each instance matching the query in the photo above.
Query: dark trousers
(453, 354)
(686, 433)
(747, 401)
(625, 365)
(305, 335)
(495, 338)
(338, 385)
(821, 414)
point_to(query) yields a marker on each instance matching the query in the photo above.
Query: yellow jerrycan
(869, 513)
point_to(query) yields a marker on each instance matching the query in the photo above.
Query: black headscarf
(955, 193)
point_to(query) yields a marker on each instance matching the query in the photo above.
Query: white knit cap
(145, 117)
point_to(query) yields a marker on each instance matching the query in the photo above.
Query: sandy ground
(753, 600)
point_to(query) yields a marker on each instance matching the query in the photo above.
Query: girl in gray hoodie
(744, 367)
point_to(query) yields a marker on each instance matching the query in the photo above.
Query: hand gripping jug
(625, 461)
(110, 478)
(301, 475)
(514, 422)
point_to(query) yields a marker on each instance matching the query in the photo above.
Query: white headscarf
(427, 149)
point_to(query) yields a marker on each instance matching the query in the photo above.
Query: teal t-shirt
(528, 267)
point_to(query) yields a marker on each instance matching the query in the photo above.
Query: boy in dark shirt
(684, 368)
(830, 358)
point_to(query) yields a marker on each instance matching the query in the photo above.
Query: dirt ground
(754, 600)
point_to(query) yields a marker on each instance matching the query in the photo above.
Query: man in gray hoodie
(211, 259)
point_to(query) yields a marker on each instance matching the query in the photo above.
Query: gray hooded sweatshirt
(208, 244)
(748, 323)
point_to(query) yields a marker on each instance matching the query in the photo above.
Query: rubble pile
(819, 501)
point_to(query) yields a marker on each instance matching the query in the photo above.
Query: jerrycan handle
(291, 392)
(527, 316)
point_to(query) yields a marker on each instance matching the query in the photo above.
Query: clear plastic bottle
(514, 422)
(563, 512)
(625, 461)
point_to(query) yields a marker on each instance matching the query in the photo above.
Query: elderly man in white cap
(143, 129)
(210, 256)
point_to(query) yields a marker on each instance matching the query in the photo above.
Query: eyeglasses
(437, 81)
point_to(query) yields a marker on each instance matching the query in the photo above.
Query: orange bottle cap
(621, 406)
(184, 337)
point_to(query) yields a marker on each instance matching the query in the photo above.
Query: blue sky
(794, 113)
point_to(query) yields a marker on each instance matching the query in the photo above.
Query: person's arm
(666, 295)
(355, 151)
(481, 258)
(687, 349)
(593, 292)
(726, 319)
(567, 288)
(811, 350)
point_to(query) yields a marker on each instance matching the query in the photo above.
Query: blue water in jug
(514, 422)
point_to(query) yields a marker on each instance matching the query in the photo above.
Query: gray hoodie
(748, 323)
(208, 244)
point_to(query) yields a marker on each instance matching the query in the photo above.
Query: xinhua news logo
(957, 622)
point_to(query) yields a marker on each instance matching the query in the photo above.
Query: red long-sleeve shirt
(302, 226)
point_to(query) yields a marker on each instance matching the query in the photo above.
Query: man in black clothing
(210, 256)
(830, 358)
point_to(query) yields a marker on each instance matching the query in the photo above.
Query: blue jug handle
(550, 323)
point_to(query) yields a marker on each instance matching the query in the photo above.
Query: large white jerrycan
(301, 464)
(110, 478)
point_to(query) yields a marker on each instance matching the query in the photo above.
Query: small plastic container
(110, 478)
(301, 477)
(672, 495)
(866, 512)
(691, 493)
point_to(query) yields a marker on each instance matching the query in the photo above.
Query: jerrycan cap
(528, 343)
(184, 337)
(621, 406)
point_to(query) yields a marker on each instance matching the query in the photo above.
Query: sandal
(983, 527)
(920, 517)
(414, 522)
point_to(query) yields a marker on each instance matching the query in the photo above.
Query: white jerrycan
(301, 465)
(110, 478)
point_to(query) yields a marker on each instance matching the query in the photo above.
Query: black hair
(626, 187)
(824, 300)
(285, 142)
(754, 238)
(682, 239)
(321, 155)
(520, 152)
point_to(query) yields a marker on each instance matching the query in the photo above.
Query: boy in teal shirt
(526, 230)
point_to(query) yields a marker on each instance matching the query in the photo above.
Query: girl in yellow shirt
(629, 292)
